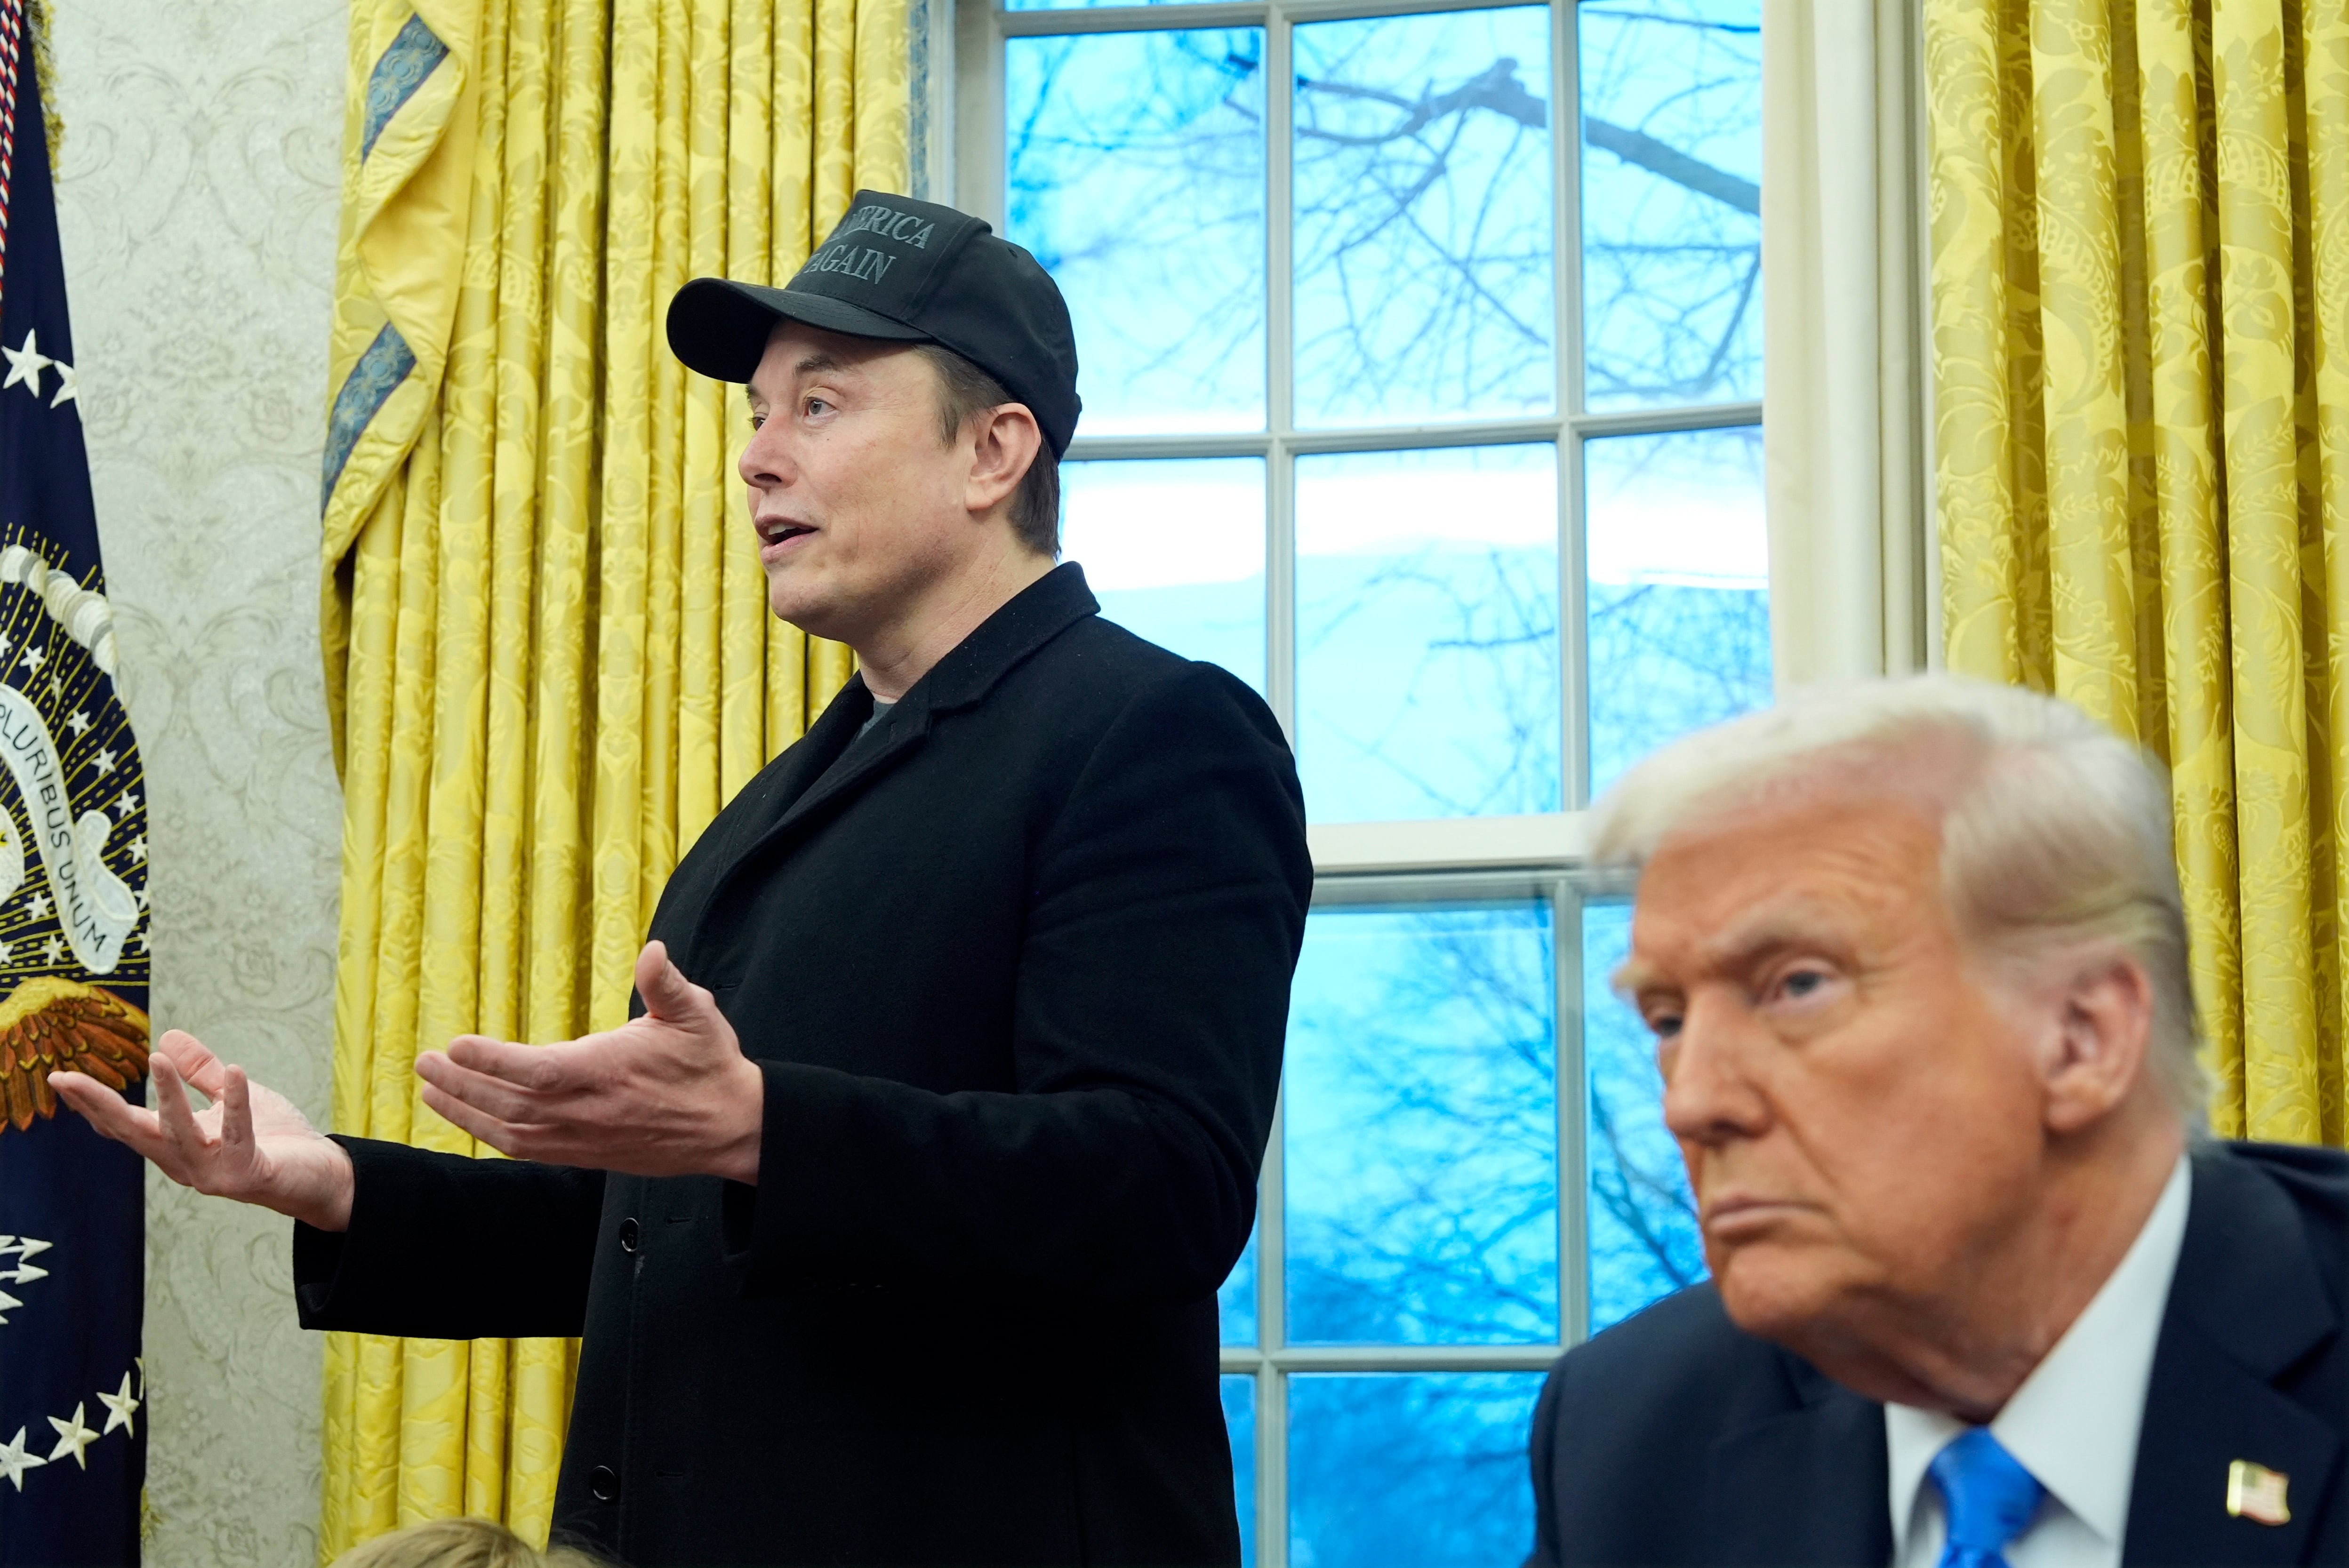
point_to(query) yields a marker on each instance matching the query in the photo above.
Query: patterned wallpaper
(198, 189)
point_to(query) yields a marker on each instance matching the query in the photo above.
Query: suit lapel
(1809, 1487)
(2247, 1305)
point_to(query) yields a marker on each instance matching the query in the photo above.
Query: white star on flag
(73, 1437)
(69, 385)
(37, 906)
(25, 364)
(139, 847)
(105, 762)
(34, 659)
(80, 723)
(53, 952)
(119, 1409)
(14, 1460)
(127, 804)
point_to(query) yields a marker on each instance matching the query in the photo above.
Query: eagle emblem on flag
(51, 1022)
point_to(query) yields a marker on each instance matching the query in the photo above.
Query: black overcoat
(1015, 963)
(1675, 1439)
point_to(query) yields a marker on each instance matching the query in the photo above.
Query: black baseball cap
(909, 271)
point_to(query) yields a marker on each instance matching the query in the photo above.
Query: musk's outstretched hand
(249, 1144)
(668, 1094)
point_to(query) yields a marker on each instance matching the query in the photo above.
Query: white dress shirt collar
(2074, 1423)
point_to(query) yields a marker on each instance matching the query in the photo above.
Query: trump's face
(1861, 1115)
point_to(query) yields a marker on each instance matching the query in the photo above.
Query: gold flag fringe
(44, 71)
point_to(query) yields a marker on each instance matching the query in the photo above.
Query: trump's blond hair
(2055, 833)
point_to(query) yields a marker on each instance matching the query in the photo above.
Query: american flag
(73, 847)
(2257, 1492)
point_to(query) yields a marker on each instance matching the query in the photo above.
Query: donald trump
(1983, 1292)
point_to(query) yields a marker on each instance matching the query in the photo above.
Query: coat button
(628, 1234)
(604, 1484)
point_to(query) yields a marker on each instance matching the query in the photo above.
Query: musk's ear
(1005, 440)
(2100, 1041)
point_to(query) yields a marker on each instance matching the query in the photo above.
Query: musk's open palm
(249, 1143)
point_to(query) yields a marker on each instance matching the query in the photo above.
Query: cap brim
(720, 326)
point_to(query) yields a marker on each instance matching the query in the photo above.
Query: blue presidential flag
(73, 954)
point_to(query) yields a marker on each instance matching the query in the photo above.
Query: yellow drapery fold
(2140, 325)
(548, 651)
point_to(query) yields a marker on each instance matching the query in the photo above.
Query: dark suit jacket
(1016, 967)
(1675, 1438)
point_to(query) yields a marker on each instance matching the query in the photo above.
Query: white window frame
(1551, 839)
(1847, 460)
(1273, 1359)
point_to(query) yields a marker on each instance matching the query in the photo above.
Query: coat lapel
(2246, 1306)
(786, 780)
(1809, 1487)
(839, 763)
(866, 758)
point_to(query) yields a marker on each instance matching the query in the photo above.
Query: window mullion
(1064, 22)
(1280, 508)
(1281, 683)
(1566, 295)
(1667, 420)
(1272, 1334)
(1414, 438)
(1566, 166)
(1271, 1467)
(1574, 621)
(1573, 1118)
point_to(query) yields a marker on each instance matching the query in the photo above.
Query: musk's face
(1860, 1114)
(856, 500)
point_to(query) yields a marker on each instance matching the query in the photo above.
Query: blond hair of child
(460, 1543)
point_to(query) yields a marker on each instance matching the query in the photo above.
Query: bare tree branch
(1636, 147)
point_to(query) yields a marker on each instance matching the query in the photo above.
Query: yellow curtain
(2140, 323)
(547, 645)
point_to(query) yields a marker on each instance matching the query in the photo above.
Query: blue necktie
(1988, 1496)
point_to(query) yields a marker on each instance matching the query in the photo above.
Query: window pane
(1175, 551)
(1410, 1470)
(1239, 1420)
(1427, 656)
(1672, 225)
(1421, 1143)
(1236, 1302)
(1644, 1241)
(1135, 170)
(1679, 578)
(1423, 211)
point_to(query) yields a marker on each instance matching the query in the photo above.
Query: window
(1442, 430)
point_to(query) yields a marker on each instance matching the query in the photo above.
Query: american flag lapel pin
(2256, 1492)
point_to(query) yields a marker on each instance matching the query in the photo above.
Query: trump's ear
(2097, 1054)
